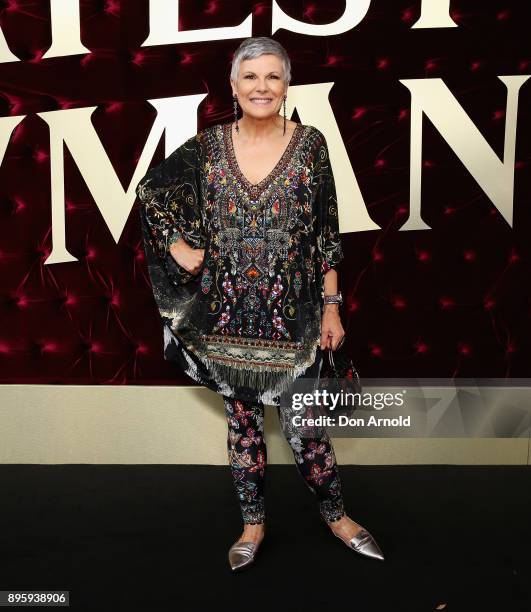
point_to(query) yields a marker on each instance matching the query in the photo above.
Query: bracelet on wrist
(336, 298)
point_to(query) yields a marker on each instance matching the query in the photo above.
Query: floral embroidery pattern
(247, 453)
(249, 322)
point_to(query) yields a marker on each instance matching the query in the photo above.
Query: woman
(241, 233)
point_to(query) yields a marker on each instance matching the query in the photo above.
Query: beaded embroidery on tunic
(249, 323)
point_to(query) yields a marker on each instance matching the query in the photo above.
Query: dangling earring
(235, 101)
(284, 114)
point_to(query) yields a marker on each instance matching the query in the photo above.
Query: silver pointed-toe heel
(364, 543)
(242, 554)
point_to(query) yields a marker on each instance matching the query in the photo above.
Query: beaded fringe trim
(257, 363)
(260, 377)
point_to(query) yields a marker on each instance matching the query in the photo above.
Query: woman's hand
(188, 258)
(332, 332)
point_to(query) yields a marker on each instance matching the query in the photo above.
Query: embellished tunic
(249, 323)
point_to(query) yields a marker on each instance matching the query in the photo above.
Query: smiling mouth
(261, 100)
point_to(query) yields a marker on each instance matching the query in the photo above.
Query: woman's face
(260, 86)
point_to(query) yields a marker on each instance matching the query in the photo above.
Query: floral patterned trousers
(314, 457)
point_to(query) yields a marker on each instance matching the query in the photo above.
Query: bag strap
(331, 359)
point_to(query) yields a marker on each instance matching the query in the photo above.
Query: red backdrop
(450, 301)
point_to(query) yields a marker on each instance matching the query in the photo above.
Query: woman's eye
(251, 76)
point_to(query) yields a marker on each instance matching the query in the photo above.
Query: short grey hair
(254, 47)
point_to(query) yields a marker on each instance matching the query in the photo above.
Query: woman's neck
(259, 129)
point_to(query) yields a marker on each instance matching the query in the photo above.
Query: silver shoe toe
(364, 544)
(242, 554)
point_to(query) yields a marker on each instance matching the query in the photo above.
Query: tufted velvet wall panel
(450, 301)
